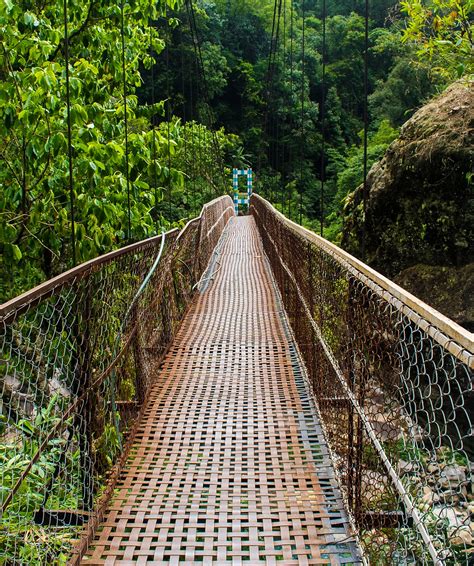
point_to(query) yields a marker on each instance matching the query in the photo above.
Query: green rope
(120, 334)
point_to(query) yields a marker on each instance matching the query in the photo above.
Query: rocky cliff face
(420, 209)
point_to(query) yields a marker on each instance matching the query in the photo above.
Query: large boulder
(420, 206)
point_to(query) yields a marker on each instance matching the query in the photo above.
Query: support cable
(277, 38)
(202, 72)
(284, 138)
(194, 107)
(275, 130)
(185, 136)
(193, 147)
(268, 82)
(124, 84)
(366, 128)
(323, 119)
(69, 135)
(272, 43)
(290, 156)
(303, 84)
(199, 133)
(275, 117)
(168, 127)
(153, 123)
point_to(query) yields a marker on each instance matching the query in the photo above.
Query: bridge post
(83, 387)
(166, 316)
(140, 369)
(351, 383)
(311, 304)
(355, 425)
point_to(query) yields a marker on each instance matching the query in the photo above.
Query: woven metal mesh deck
(229, 465)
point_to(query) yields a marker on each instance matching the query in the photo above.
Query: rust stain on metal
(228, 463)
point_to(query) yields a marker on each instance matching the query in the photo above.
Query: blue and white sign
(236, 173)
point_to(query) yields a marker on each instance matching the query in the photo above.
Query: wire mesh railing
(78, 355)
(394, 384)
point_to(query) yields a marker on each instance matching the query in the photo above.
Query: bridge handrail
(395, 389)
(456, 339)
(15, 305)
(78, 355)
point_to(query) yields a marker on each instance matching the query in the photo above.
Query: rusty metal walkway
(229, 465)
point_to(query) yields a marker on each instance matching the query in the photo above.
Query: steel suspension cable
(193, 105)
(193, 148)
(202, 71)
(283, 143)
(125, 109)
(168, 126)
(277, 38)
(268, 80)
(323, 119)
(303, 84)
(366, 127)
(153, 123)
(275, 116)
(272, 44)
(290, 157)
(199, 131)
(201, 141)
(185, 136)
(69, 134)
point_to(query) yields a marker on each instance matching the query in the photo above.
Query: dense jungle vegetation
(163, 103)
(164, 158)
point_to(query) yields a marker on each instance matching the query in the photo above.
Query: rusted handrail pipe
(456, 339)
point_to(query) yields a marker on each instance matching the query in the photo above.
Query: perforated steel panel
(229, 464)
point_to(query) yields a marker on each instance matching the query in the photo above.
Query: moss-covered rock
(420, 206)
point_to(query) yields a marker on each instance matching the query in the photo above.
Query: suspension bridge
(240, 391)
(236, 391)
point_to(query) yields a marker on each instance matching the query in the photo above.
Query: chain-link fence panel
(394, 383)
(78, 355)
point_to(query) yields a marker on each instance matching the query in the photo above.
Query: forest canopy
(157, 124)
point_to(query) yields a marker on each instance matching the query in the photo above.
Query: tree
(35, 205)
(441, 30)
(401, 94)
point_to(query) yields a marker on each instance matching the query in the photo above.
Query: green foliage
(35, 204)
(15, 456)
(216, 68)
(350, 172)
(282, 140)
(442, 33)
(106, 448)
(173, 170)
(34, 180)
(351, 175)
(401, 93)
(286, 146)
